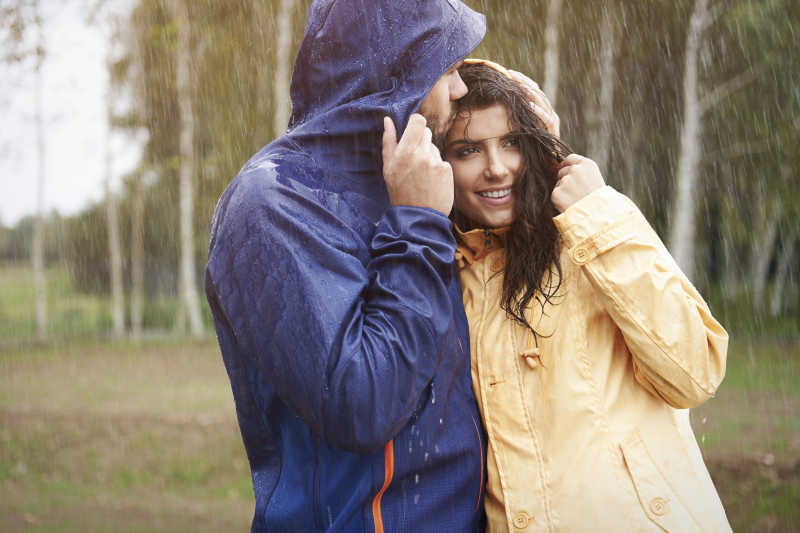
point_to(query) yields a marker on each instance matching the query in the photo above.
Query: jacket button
(581, 255)
(658, 506)
(531, 360)
(521, 520)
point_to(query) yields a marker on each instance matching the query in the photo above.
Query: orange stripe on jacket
(388, 457)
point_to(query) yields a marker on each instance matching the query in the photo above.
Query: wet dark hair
(532, 268)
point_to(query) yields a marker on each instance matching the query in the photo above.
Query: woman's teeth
(495, 194)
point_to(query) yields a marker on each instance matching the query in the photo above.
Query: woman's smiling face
(486, 160)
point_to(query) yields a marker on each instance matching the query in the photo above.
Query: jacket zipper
(388, 461)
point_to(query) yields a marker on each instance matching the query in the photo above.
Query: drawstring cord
(531, 354)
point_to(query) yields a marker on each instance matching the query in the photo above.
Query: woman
(588, 343)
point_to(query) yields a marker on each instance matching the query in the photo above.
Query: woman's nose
(495, 168)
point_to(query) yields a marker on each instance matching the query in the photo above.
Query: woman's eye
(511, 142)
(466, 151)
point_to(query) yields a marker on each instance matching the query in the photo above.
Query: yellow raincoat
(588, 431)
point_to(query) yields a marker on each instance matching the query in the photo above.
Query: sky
(75, 84)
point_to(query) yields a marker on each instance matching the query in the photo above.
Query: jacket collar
(476, 244)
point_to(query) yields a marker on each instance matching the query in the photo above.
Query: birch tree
(681, 240)
(600, 129)
(283, 68)
(695, 105)
(112, 218)
(551, 50)
(137, 258)
(188, 279)
(783, 273)
(37, 249)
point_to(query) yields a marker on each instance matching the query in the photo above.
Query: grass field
(96, 436)
(122, 439)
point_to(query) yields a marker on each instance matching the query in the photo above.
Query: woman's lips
(497, 196)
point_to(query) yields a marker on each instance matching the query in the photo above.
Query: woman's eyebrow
(478, 141)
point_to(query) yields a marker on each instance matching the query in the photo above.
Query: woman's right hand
(578, 177)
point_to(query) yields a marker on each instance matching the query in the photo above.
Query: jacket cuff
(597, 223)
(420, 225)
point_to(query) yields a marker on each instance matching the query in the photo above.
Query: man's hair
(532, 268)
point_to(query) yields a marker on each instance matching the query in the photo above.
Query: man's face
(439, 107)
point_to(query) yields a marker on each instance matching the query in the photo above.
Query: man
(333, 289)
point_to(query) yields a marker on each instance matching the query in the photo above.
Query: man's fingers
(532, 88)
(414, 134)
(389, 139)
(547, 116)
(521, 78)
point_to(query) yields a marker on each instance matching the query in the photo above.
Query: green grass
(71, 314)
(750, 435)
(95, 437)
(755, 410)
(100, 436)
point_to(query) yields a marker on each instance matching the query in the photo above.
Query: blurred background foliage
(746, 199)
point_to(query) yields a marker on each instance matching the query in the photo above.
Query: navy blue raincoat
(339, 316)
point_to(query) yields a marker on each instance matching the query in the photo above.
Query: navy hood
(361, 60)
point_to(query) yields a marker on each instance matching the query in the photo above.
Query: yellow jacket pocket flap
(659, 502)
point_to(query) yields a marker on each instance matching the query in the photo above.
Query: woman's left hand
(539, 102)
(578, 176)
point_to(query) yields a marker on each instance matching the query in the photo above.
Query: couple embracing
(435, 317)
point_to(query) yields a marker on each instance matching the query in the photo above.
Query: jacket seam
(388, 458)
(487, 412)
(536, 447)
(620, 303)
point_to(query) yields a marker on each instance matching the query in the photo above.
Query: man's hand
(577, 177)
(539, 102)
(413, 168)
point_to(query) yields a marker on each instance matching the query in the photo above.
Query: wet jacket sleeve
(678, 348)
(348, 334)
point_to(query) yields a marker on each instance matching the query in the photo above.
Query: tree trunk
(551, 51)
(37, 248)
(783, 271)
(681, 239)
(762, 251)
(137, 214)
(137, 259)
(112, 219)
(282, 81)
(188, 281)
(600, 134)
(731, 279)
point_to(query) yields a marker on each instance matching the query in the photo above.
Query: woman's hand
(577, 177)
(539, 102)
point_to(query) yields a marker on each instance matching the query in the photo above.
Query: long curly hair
(532, 268)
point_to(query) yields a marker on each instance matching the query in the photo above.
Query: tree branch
(722, 91)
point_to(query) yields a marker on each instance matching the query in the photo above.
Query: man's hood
(361, 60)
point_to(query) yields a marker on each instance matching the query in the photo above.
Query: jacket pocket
(657, 498)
